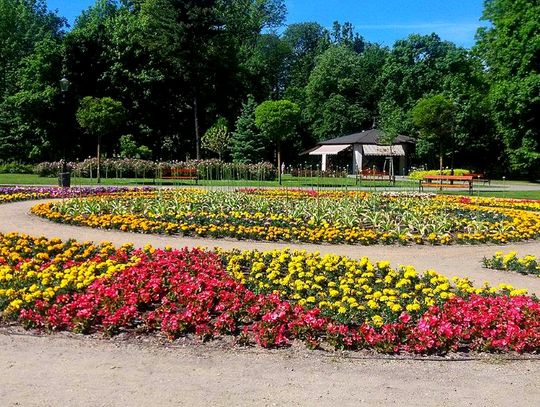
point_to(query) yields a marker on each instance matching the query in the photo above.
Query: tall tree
(198, 38)
(510, 47)
(277, 121)
(30, 66)
(100, 117)
(247, 145)
(265, 66)
(341, 95)
(305, 42)
(423, 65)
(434, 116)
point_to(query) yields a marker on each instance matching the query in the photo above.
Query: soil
(67, 369)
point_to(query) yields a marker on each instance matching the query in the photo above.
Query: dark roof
(366, 137)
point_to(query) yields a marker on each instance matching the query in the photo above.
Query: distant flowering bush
(134, 167)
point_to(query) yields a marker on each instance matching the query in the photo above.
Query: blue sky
(383, 21)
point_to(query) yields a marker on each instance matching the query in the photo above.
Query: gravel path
(66, 369)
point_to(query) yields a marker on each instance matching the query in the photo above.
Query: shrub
(16, 168)
(418, 175)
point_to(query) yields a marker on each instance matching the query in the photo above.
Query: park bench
(180, 174)
(446, 181)
(373, 175)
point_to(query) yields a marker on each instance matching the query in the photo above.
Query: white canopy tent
(327, 149)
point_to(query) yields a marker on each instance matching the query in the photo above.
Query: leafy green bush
(16, 168)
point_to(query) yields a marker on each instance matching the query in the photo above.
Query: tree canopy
(510, 48)
(178, 66)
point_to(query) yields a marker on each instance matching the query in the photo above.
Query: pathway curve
(85, 371)
(456, 260)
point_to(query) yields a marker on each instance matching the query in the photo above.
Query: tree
(198, 42)
(423, 65)
(100, 117)
(264, 64)
(416, 66)
(434, 118)
(341, 94)
(247, 145)
(30, 62)
(217, 138)
(130, 149)
(277, 120)
(510, 48)
(305, 42)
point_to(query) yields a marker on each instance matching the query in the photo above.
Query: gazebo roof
(366, 137)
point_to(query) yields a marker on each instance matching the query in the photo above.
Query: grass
(533, 195)
(288, 181)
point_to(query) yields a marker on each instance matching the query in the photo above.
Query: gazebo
(366, 143)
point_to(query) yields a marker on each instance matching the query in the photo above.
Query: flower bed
(511, 262)
(179, 292)
(351, 291)
(307, 216)
(16, 193)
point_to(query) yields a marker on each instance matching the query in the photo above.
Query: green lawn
(535, 195)
(288, 181)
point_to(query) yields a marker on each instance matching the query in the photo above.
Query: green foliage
(100, 116)
(277, 119)
(341, 95)
(247, 144)
(16, 168)
(217, 138)
(510, 48)
(421, 66)
(30, 60)
(130, 149)
(434, 118)
(177, 65)
(305, 41)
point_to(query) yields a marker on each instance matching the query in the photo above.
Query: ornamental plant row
(305, 216)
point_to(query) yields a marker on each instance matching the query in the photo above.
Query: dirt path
(61, 370)
(70, 370)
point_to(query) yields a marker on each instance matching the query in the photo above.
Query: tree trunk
(99, 160)
(196, 120)
(440, 158)
(279, 161)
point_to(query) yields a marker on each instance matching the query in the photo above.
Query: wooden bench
(373, 175)
(446, 181)
(181, 174)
